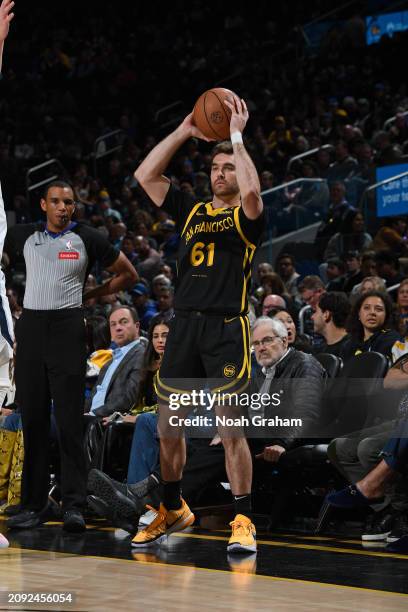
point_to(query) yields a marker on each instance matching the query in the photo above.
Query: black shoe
(399, 529)
(121, 498)
(73, 521)
(25, 520)
(380, 526)
(105, 511)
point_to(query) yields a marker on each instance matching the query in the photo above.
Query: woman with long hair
(157, 336)
(371, 324)
(295, 340)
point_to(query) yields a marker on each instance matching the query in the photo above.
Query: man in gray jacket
(118, 383)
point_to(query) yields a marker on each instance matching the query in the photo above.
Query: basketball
(211, 115)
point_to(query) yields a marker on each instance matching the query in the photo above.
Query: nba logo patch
(69, 245)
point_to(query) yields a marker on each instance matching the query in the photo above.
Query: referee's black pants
(50, 368)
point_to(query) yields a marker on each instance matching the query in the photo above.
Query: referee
(51, 350)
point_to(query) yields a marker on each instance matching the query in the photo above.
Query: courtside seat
(346, 406)
(115, 449)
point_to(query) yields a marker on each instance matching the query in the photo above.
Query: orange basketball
(211, 115)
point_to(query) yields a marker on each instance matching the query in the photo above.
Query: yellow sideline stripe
(203, 569)
(350, 551)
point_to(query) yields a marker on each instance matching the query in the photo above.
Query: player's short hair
(222, 147)
(62, 185)
(337, 303)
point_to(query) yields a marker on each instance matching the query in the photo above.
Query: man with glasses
(51, 350)
(298, 379)
(301, 378)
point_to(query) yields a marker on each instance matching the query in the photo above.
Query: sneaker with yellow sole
(243, 535)
(165, 523)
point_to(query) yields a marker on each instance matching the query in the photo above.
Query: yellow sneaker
(165, 523)
(243, 535)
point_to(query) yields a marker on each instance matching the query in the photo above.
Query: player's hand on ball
(239, 113)
(192, 130)
(5, 17)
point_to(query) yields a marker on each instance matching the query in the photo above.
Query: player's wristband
(236, 137)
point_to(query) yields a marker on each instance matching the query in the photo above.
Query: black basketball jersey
(217, 246)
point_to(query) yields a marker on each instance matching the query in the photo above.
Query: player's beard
(225, 189)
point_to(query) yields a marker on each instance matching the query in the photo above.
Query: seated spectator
(370, 459)
(165, 302)
(263, 268)
(371, 324)
(272, 283)
(146, 308)
(128, 248)
(386, 151)
(354, 274)
(167, 271)
(118, 383)
(171, 239)
(388, 268)
(335, 273)
(149, 260)
(285, 266)
(402, 307)
(310, 290)
(281, 366)
(270, 302)
(368, 265)
(392, 236)
(350, 237)
(369, 283)
(295, 340)
(344, 164)
(338, 210)
(329, 320)
(159, 283)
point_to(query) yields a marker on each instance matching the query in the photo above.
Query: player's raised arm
(5, 17)
(247, 175)
(150, 172)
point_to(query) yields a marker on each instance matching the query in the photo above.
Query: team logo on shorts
(229, 370)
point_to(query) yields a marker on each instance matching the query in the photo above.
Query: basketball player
(6, 326)
(209, 336)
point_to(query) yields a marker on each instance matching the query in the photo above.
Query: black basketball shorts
(205, 351)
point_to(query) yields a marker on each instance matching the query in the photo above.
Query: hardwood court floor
(193, 571)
